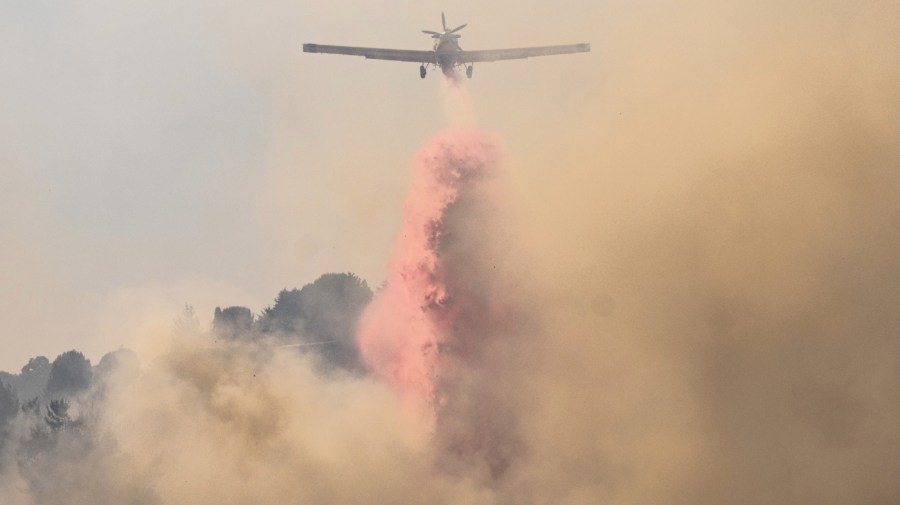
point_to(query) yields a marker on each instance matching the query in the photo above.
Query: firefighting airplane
(447, 55)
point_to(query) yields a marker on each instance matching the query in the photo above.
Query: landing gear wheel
(422, 71)
(469, 71)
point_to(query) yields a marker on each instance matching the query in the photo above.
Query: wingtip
(309, 48)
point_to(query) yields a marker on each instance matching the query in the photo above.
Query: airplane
(447, 55)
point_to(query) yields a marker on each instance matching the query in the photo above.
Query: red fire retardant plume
(400, 333)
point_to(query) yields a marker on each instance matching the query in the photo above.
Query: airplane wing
(373, 53)
(519, 53)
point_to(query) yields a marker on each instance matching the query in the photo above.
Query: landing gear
(469, 71)
(422, 71)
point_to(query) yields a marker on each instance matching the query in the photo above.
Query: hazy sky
(162, 153)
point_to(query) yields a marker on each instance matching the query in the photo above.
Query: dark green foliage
(9, 409)
(35, 366)
(9, 405)
(33, 377)
(324, 313)
(324, 304)
(32, 381)
(233, 323)
(57, 415)
(32, 406)
(70, 374)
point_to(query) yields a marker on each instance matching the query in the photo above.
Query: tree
(70, 374)
(36, 366)
(9, 405)
(32, 381)
(325, 313)
(233, 323)
(9, 409)
(57, 416)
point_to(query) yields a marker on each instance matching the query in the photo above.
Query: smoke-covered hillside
(53, 414)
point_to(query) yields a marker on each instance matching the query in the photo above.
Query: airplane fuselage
(446, 50)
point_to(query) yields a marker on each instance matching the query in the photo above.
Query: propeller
(447, 31)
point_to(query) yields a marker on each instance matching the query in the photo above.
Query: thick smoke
(721, 269)
(219, 421)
